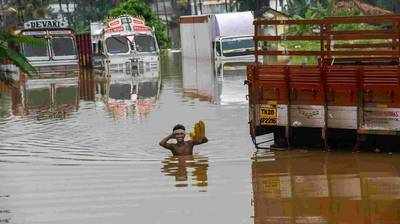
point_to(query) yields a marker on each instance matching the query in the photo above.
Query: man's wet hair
(178, 126)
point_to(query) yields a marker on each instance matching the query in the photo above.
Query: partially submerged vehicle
(58, 55)
(233, 37)
(226, 37)
(352, 89)
(124, 45)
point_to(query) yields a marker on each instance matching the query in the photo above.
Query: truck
(350, 93)
(124, 44)
(226, 37)
(208, 42)
(58, 56)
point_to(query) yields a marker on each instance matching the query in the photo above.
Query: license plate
(268, 114)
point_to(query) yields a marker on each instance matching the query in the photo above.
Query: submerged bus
(58, 56)
(124, 45)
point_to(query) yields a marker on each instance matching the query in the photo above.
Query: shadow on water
(186, 170)
(317, 187)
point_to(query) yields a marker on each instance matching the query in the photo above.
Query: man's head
(179, 132)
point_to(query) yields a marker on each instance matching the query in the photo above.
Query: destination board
(45, 24)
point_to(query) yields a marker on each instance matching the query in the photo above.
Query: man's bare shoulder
(190, 142)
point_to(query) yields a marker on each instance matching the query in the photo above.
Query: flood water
(85, 152)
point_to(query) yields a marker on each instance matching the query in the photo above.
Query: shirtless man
(182, 147)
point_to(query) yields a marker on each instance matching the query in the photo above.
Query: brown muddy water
(77, 154)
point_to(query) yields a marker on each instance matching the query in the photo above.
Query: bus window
(145, 43)
(63, 46)
(35, 51)
(117, 45)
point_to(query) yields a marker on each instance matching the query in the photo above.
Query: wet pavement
(86, 151)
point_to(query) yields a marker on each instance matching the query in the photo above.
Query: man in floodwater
(181, 147)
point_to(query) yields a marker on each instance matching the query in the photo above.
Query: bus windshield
(63, 46)
(35, 50)
(145, 43)
(237, 46)
(117, 45)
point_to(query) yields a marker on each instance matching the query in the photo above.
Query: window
(35, 51)
(145, 43)
(237, 47)
(218, 48)
(63, 46)
(117, 45)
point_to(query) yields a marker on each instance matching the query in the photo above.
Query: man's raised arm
(164, 142)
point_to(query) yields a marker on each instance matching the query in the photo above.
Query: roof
(234, 24)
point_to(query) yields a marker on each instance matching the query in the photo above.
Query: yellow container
(198, 132)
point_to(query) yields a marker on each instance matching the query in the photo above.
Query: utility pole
(201, 7)
(60, 14)
(68, 13)
(195, 7)
(20, 12)
(157, 10)
(166, 17)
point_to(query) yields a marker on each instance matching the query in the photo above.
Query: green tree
(141, 9)
(89, 11)
(321, 10)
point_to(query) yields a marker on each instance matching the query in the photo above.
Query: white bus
(58, 56)
(124, 45)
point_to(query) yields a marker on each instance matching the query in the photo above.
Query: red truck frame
(353, 88)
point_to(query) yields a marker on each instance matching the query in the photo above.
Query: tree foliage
(89, 11)
(318, 11)
(141, 9)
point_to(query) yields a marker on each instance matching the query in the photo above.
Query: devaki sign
(45, 24)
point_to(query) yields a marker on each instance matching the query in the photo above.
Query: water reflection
(219, 84)
(304, 187)
(91, 169)
(5, 213)
(126, 95)
(186, 170)
(45, 98)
